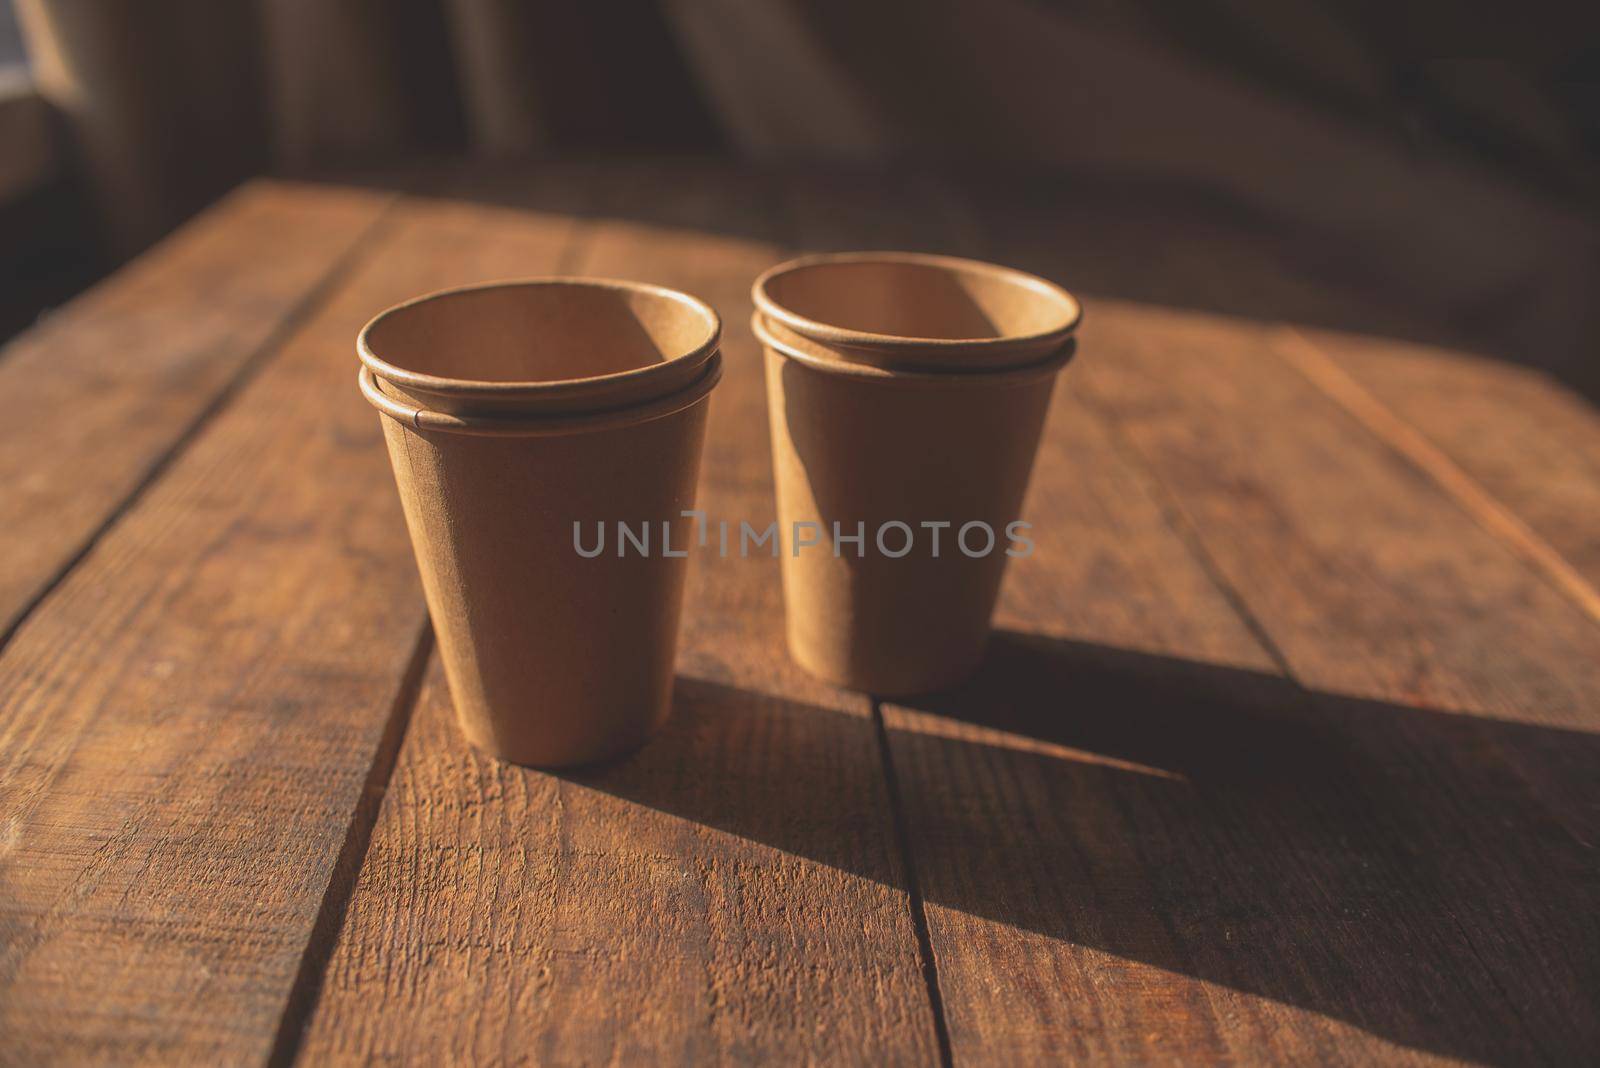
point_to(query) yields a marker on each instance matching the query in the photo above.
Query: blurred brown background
(1442, 156)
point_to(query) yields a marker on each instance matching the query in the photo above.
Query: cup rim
(866, 339)
(561, 423)
(795, 348)
(485, 390)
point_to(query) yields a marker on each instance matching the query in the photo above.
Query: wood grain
(1520, 452)
(732, 891)
(188, 723)
(1198, 805)
(96, 397)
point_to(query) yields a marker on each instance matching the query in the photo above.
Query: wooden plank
(98, 396)
(190, 720)
(731, 892)
(1518, 451)
(1466, 688)
(1137, 840)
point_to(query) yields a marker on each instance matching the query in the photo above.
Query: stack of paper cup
(524, 421)
(907, 393)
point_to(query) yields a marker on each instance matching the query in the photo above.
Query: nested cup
(907, 396)
(525, 422)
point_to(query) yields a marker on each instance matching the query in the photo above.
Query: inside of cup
(538, 332)
(921, 300)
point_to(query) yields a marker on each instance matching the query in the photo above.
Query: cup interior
(539, 332)
(932, 299)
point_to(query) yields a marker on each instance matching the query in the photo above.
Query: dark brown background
(1440, 154)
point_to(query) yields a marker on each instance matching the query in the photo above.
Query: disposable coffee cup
(528, 423)
(907, 397)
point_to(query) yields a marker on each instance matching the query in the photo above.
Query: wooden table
(1286, 751)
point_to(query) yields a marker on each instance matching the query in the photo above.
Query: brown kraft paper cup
(513, 411)
(873, 429)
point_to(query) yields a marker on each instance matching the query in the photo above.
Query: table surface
(1286, 749)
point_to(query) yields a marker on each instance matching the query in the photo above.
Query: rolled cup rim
(562, 393)
(547, 425)
(985, 352)
(795, 348)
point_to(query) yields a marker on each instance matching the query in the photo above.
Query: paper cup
(925, 453)
(512, 412)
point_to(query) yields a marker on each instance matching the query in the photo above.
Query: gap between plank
(919, 912)
(306, 990)
(780, 208)
(1321, 370)
(298, 315)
